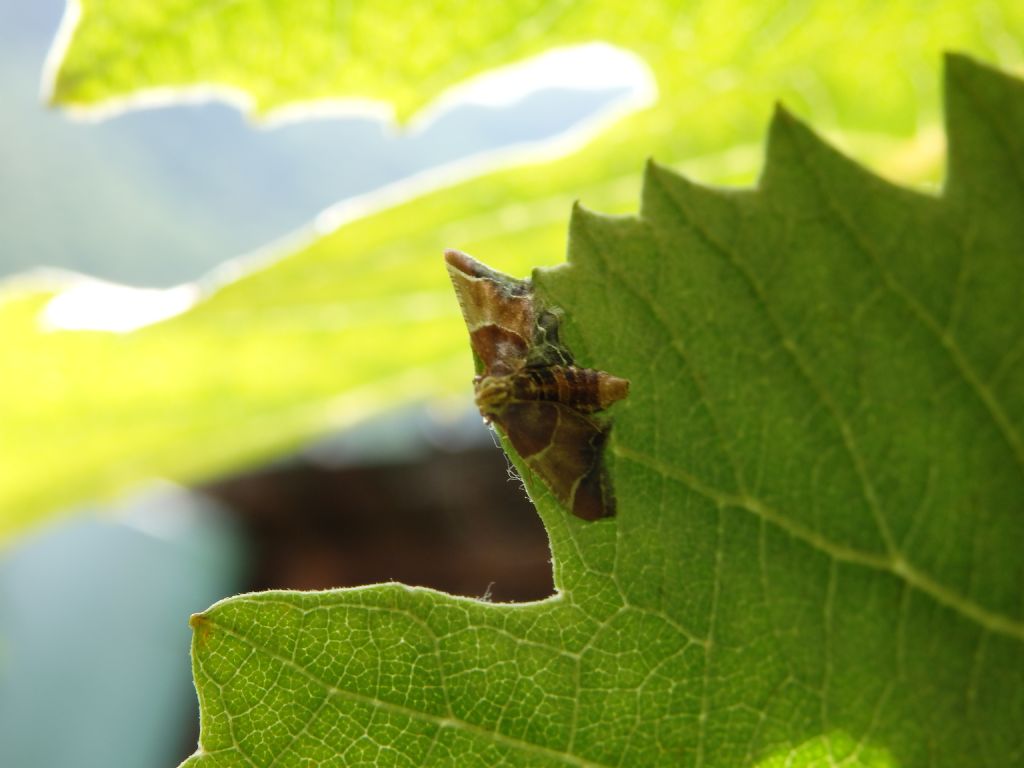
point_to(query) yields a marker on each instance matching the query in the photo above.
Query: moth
(529, 387)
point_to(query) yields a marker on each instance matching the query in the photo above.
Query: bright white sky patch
(590, 67)
(593, 66)
(97, 305)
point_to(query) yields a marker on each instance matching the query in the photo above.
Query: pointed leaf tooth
(587, 228)
(673, 203)
(984, 117)
(804, 172)
(809, 179)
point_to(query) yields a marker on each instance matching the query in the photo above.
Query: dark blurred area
(94, 634)
(456, 522)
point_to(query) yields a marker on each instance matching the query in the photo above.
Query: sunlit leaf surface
(820, 472)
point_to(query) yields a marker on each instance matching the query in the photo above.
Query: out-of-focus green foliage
(358, 320)
(820, 475)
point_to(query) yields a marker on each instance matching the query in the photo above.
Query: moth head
(492, 394)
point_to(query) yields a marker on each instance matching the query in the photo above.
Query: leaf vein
(895, 566)
(380, 704)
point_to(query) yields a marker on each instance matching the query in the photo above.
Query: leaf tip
(200, 624)
(784, 124)
(657, 178)
(790, 143)
(983, 106)
(958, 70)
(955, 62)
(781, 112)
(654, 171)
(578, 214)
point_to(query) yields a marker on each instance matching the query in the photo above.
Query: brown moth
(529, 387)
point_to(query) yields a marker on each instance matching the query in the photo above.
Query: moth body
(583, 389)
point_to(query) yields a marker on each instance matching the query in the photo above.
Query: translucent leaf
(816, 558)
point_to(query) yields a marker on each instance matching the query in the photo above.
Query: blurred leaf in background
(359, 318)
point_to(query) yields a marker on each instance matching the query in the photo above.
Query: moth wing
(593, 497)
(501, 351)
(564, 447)
(498, 311)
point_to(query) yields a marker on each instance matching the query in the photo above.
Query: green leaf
(820, 474)
(275, 53)
(311, 343)
(280, 52)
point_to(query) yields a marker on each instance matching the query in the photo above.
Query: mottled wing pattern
(532, 392)
(565, 448)
(498, 311)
